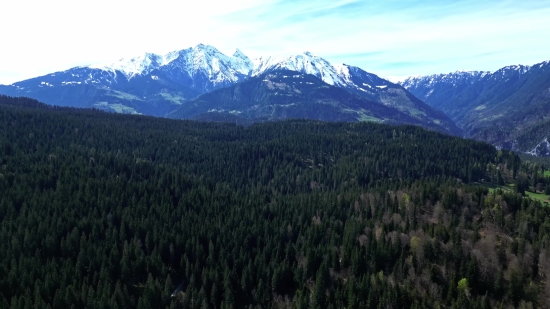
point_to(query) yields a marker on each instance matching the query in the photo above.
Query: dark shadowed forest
(103, 210)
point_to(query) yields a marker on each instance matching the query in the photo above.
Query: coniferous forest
(103, 210)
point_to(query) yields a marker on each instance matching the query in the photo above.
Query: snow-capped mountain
(135, 66)
(340, 75)
(204, 68)
(304, 63)
(148, 84)
(221, 68)
(156, 84)
(192, 62)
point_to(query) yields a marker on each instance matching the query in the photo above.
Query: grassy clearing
(119, 108)
(538, 196)
(415, 112)
(124, 95)
(546, 173)
(367, 118)
(363, 116)
(174, 98)
(510, 187)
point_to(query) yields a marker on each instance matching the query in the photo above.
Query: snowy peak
(212, 60)
(352, 72)
(217, 69)
(462, 77)
(201, 58)
(134, 66)
(458, 77)
(305, 62)
(513, 69)
(247, 64)
(343, 70)
(203, 68)
(238, 54)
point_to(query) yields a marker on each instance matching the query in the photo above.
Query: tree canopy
(103, 210)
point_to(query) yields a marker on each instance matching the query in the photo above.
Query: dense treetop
(103, 210)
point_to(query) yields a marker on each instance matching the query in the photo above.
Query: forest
(101, 210)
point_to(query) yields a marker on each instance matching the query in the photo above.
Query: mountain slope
(283, 94)
(437, 89)
(359, 82)
(496, 107)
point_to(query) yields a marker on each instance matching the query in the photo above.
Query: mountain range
(168, 85)
(509, 108)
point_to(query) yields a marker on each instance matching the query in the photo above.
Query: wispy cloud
(389, 38)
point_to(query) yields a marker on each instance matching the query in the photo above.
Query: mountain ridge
(285, 94)
(497, 107)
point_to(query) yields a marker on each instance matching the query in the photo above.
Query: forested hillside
(105, 210)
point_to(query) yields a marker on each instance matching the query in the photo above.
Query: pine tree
(319, 291)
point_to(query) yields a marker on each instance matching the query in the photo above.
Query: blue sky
(391, 38)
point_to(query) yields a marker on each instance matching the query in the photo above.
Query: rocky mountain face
(498, 107)
(160, 84)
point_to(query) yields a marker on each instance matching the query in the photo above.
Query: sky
(391, 38)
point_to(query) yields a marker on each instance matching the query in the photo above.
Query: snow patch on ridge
(542, 149)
